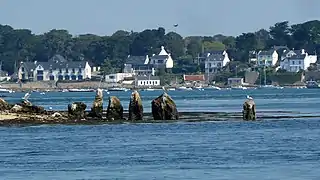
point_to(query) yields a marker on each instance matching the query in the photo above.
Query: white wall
(148, 83)
(114, 78)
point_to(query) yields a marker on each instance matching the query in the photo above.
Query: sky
(201, 17)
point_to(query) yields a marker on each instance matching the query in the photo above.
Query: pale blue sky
(195, 17)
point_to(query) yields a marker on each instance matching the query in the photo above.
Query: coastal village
(153, 59)
(142, 71)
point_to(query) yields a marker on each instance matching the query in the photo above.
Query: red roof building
(193, 78)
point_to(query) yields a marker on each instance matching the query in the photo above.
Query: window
(292, 62)
(73, 70)
(40, 72)
(66, 77)
(73, 77)
(60, 77)
(50, 70)
(67, 70)
(22, 69)
(80, 71)
(51, 78)
(111, 77)
(80, 77)
(299, 62)
(60, 70)
(40, 78)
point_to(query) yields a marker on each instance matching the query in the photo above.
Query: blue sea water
(266, 149)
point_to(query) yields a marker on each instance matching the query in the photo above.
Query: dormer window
(50, 70)
(22, 69)
(80, 71)
(67, 71)
(60, 70)
(73, 70)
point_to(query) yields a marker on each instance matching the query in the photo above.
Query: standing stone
(135, 107)
(76, 110)
(164, 108)
(4, 105)
(249, 110)
(115, 109)
(97, 106)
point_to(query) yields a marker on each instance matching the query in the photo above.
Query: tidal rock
(4, 105)
(135, 107)
(76, 110)
(97, 106)
(27, 107)
(164, 108)
(115, 109)
(249, 110)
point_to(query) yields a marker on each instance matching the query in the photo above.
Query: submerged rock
(249, 110)
(135, 107)
(76, 110)
(4, 105)
(97, 106)
(115, 109)
(164, 108)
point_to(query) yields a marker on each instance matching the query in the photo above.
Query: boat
(118, 89)
(270, 87)
(182, 88)
(238, 88)
(2, 90)
(312, 85)
(199, 88)
(81, 90)
(171, 89)
(266, 86)
(212, 88)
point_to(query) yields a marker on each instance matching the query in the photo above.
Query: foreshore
(18, 119)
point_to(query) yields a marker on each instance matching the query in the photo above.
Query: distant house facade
(215, 61)
(267, 58)
(138, 65)
(145, 65)
(235, 81)
(163, 59)
(149, 81)
(57, 68)
(296, 60)
(117, 77)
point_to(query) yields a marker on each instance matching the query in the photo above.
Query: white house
(57, 68)
(147, 81)
(117, 77)
(299, 62)
(215, 61)
(162, 59)
(267, 58)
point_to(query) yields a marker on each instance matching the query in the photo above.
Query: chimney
(303, 51)
(153, 54)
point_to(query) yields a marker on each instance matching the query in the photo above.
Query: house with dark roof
(57, 68)
(295, 61)
(138, 65)
(290, 53)
(145, 65)
(163, 59)
(267, 58)
(215, 61)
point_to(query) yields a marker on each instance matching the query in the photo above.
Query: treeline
(22, 45)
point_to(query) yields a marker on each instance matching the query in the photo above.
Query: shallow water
(268, 149)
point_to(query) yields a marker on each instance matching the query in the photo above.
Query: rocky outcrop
(76, 110)
(27, 107)
(115, 109)
(164, 108)
(97, 106)
(4, 105)
(249, 110)
(135, 107)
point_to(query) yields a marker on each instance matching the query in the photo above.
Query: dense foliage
(22, 45)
